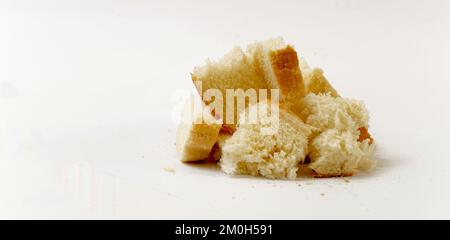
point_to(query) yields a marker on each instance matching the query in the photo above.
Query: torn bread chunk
(273, 146)
(234, 71)
(196, 133)
(315, 81)
(336, 153)
(326, 112)
(341, 144)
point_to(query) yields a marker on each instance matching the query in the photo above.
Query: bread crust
(227, 129)
(216, 151)
(196, 134)
(269, 65)
(286, 69)
(199, 142)
(364, 134)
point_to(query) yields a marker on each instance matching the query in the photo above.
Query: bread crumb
(233, 198)
(346, 180)
(322, 194)
(169, 169)
(308, 183)
(298, 184)
(277, 156)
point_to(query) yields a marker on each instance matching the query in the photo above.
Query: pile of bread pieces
(315, 128)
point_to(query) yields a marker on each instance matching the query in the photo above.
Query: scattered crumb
(298, 184)
(322, 194)
(308, 183)
(346, 180)
(169, 169)
(274, 185)
(233, 197)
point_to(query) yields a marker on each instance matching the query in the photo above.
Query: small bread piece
(341, 146)
(196, 134)
(318, 84)
(337, 153)
(278, 63)
(326, 112)
(234, 71)
(315, 81)
(249, 152)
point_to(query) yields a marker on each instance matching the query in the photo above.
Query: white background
(86, 107)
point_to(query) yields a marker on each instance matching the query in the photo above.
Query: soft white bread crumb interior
(336, 149)
(336, 153)
(277, 155)
(326, 112)
(270, 64)
(234, 71)
(196, 133)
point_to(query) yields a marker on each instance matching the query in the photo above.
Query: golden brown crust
(286, 68)
(215, 154)
(227, 129)
(364, 134)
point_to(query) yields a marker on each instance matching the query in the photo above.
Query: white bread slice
(315, 81)
(342, 145)
(234, 71)
(196, 133)
(248, 152)
(270, 64)
(278, 63)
